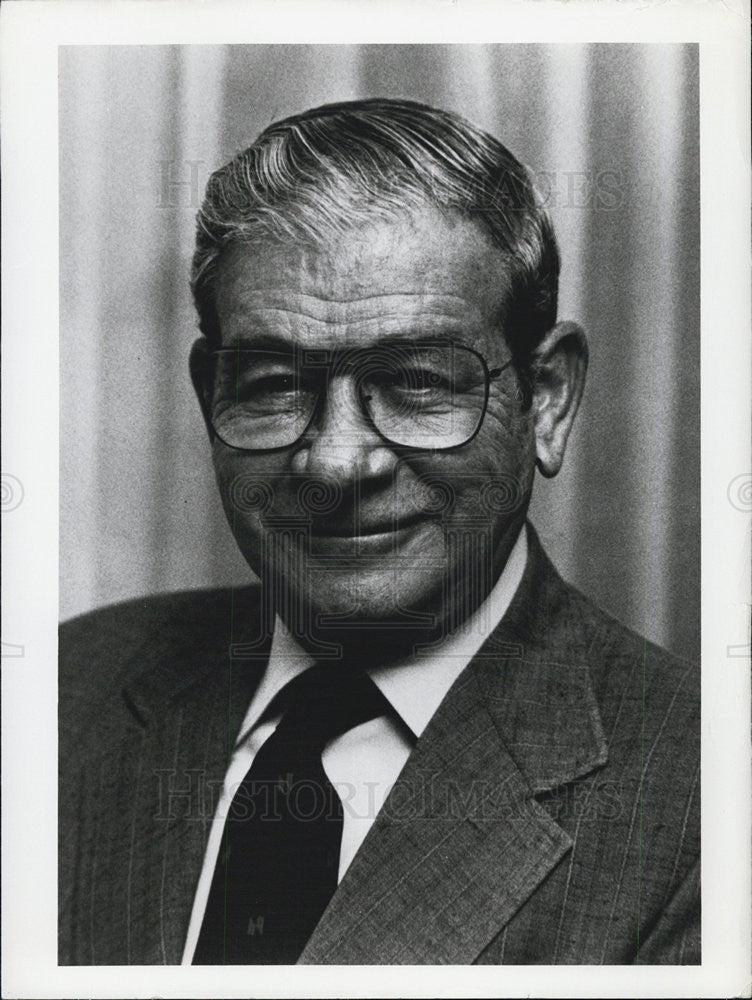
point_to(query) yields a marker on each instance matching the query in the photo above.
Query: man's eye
(419, 380)
(271, 384)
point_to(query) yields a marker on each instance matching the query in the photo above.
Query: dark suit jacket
(548, 814)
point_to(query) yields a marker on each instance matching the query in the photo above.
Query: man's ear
(199, 365)
(559, 368)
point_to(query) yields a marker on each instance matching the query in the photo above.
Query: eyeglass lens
(416, 395)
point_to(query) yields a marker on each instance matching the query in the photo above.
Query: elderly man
(412, 743)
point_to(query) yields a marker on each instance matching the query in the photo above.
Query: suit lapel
(191, 718)
(461, 842)
(457, 848)
(197, 739)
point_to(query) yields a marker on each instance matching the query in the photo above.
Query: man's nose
(341, 444)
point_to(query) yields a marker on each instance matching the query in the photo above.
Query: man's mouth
(380, 537)
(349, 527)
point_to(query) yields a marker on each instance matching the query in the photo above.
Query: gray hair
(310, 178)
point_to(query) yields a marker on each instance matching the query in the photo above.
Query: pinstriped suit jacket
(548, 814)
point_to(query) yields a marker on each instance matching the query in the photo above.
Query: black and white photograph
(381, 517)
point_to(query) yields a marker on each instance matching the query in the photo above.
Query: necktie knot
(327, 700)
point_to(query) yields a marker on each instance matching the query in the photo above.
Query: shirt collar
(416, 686)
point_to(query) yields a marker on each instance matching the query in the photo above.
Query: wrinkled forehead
(429, 272)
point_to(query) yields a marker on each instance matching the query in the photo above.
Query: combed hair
(311, 178)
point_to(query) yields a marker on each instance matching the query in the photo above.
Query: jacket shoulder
(182, 612)
(625, 664)
(567, 626)
(101, 651)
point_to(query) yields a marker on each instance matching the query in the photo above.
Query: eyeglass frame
(490, 375)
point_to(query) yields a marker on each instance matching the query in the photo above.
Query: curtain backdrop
(610, 130)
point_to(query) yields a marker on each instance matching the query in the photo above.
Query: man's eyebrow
(456, 337)
(419, 337)
(263, 342)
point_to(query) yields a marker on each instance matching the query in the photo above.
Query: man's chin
(370, 612)
(371, 597)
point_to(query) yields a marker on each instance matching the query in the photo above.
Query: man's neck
(379, 643)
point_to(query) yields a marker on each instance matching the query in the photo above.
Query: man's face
(342, 523)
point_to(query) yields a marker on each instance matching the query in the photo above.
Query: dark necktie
(278, 864)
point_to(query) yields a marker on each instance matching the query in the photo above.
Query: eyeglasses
(415, 395)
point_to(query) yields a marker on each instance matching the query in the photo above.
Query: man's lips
(373, 538)
(349, 527)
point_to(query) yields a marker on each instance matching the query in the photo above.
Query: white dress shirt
(364, 762)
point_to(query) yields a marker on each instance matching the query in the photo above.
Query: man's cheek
(472, 493)
(249, 486)
(245, 497)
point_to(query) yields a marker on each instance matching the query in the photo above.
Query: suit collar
(461, 842)
(534, 676)
(457, 848)
(190, 693)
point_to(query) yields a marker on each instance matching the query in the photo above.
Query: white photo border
(30, 35)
